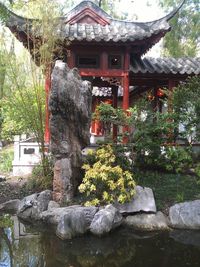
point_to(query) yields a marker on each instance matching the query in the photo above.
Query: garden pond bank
(22, 245)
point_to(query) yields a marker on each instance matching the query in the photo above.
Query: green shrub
(6, 159)
(38, 181)
(104, 181)
(177, 159)
(171, 159)
(123, 156)
(197, 170)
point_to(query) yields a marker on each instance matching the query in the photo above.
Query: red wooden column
(47, 114)
(125, 103)
(115, 96)
(125, 83)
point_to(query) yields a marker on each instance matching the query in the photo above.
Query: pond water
(22, 246)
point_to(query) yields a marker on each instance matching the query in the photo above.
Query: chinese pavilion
(109, 53)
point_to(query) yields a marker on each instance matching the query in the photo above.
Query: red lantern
(160, 93)
(150, 97)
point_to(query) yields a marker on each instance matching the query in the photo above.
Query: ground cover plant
(105, 181)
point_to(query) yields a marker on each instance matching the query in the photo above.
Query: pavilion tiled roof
(114, 31)
(148, 65)
(182, 66)
(117, 31)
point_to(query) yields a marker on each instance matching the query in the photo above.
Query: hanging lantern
(108, 101)
(150, 97)
(160, 93)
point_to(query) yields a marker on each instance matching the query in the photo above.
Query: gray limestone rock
(55, 215)
(74, 223)
(71, 225)
(52, 205)
(105, 220)
(185, 215)
(142, 201)
(10, 206)
(32, 206)
(147, 222)
(70, 107)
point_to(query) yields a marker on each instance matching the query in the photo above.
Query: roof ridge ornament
(88, 15)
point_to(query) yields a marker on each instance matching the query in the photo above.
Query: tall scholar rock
(70, 108)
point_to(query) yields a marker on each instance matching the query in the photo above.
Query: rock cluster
(70, 108)
(72, 221)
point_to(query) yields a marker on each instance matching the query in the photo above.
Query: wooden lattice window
(87, 61)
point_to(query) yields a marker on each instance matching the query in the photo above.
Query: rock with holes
(70, 107)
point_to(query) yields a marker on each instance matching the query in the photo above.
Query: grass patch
(6, 158)
(170, 188)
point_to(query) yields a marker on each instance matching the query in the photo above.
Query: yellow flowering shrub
(104, 181)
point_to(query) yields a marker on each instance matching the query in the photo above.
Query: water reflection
(21, 246)
(115, 250)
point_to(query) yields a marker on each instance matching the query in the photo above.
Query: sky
(146, 10)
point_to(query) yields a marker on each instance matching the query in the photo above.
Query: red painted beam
(101, 73)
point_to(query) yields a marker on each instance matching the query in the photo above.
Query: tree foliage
(184, 38)
(23, 107)
(186, 102)
(151, 141)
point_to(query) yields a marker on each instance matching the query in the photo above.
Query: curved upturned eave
(168, 16)
(12, 19)
(15, 19)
